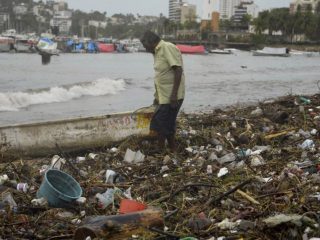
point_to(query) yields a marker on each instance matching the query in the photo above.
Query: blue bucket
(59, 188)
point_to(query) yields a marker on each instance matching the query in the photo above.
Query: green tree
(261, 23)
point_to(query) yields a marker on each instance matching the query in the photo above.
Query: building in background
(20, 9)
(304, 4)
(208, 7)
(4, 21)
(62, 21)
(60, 6)
(227, 8)
(175, 10)
(188, 13)
(245, 8)
(210, 15)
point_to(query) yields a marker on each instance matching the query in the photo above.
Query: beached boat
(220, 51)
(192, 49)
(47, 46)
(41, 139)
(272, 52)
(6, 44)
(23, 45)
(106, 47)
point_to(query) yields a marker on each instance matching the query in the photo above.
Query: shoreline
(264, 162)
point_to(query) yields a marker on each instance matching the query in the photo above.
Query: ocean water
(75, 85)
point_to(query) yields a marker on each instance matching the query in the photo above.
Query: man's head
(150, 40)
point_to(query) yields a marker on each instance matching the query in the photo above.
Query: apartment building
(304, 4)
(175, 10)
(227, 8)
(188, 13)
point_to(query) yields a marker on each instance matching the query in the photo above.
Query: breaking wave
(13, 101)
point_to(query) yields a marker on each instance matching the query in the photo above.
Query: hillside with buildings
(220, 20)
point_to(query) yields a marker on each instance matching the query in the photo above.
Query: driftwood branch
(218, 199)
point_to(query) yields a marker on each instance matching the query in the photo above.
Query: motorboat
(221, 51)
(6, 44)
(272, 52)
(199, 49)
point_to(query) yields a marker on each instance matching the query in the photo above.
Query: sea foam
(13, 101)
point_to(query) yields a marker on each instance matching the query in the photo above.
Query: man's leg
(172, 143)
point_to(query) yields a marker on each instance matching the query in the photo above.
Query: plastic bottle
(305, 100)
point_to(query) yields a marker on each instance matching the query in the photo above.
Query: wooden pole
(119, 227)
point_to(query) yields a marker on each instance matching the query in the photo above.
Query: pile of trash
(240, 173)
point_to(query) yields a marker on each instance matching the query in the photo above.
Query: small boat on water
(192, 49)
(272, 52)
(106, 47)
(221, 51)
(6, 44)
(23, 45)
(46, 45)
(44, 138)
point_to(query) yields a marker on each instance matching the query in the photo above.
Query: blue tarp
(92, 47)
(70, 43)
(79, 46)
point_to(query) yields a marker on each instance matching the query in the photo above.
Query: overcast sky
(150, 7)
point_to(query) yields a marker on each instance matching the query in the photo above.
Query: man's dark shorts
(164, 119)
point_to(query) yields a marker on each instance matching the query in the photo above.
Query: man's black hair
(150, 38)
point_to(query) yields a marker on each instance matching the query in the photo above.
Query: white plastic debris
(114, 150)
(213, 156)
(81, 200)
(110, 176)
(134, 157)
(222, 172)
(127, 193)
(209, 169)
(93, 156)
(257, 112)
(231, 157)
(57, 162)
(76, 221)
(164, 169)
(257, 160)
(314, 132)
(3, 179)
(80, 159)
(22, 187)
(106, 198)
(40, 202)
(227, 225)
(189, 149)
(43, 169)
(307, 144)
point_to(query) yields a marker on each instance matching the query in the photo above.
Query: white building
(244, 8)
(209, 6)
(97, 24)
(252, 9)
(20, 9)
(62, 20)
(304, 4)
(227, 8)
(175, 10)
(60, 6)
(188, 13)
(146, 19)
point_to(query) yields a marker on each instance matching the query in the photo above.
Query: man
(169, 87)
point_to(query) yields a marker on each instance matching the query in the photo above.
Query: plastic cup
(129, 206)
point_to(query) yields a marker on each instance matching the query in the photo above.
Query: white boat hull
(262, 54)
(41, 139)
